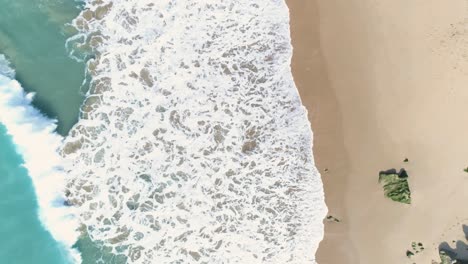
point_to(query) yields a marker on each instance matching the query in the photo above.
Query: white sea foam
(35, 139)
(5, 68)
(193, 144)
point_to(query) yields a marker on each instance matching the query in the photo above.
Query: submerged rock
(395, 185)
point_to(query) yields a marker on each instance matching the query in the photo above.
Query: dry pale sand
(385, 80)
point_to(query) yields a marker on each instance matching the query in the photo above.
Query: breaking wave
(36, 141)
(193, 144)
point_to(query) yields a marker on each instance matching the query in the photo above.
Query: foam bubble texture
(193, 145)
(35, 138)
(5, 68)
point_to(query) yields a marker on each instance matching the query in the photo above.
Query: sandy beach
(384, 81)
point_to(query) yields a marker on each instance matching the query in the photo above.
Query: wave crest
(36, 141)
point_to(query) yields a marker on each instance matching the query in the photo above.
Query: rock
(445, 258)
(409, 253)
(395, 185)
(331, 218)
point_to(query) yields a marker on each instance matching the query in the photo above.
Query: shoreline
(144, 86)
(384, 82)
(311, 78)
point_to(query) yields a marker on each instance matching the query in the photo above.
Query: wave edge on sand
(224, 137)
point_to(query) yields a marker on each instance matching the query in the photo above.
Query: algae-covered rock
(445, 258)
(409, 253)
(395, 185)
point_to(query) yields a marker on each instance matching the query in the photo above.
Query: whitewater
(193, 145)
(37, 142)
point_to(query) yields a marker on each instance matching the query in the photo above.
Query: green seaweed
(409, 254)
(445, 258)
(396, 185)
(417, 247)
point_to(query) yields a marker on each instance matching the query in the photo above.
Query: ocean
(33, 37)
(192, 145)
(35, 214)
(25, 240)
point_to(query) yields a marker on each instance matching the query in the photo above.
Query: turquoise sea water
(24, 239)
(33, 34)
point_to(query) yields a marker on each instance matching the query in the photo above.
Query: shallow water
(195, 146)
(33, 36)
(24, 239)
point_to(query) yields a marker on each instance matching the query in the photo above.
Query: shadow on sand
(460, 251)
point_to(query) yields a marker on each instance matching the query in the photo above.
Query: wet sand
(384, 81)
